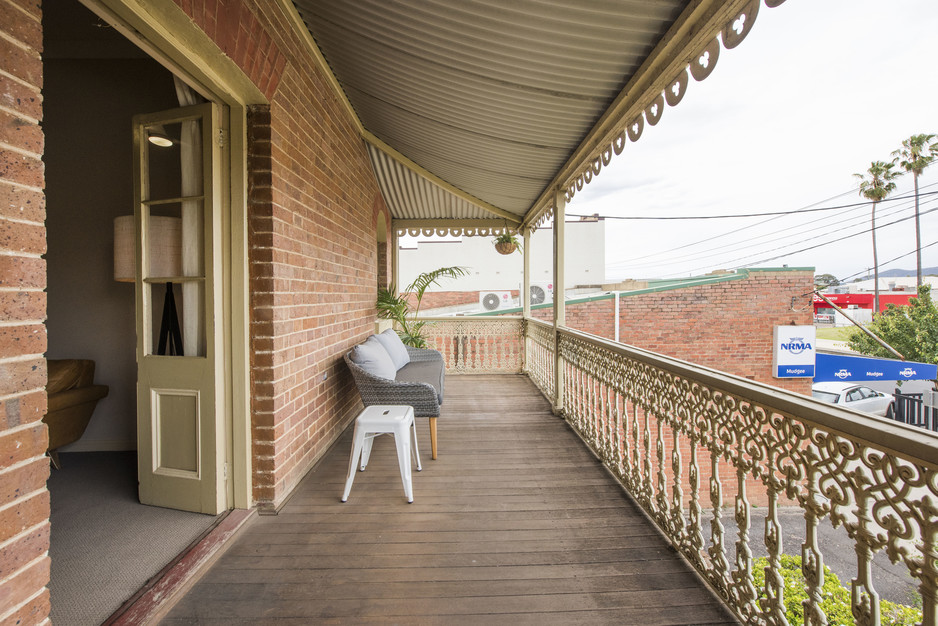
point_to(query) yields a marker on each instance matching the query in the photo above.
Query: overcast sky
(818, 90)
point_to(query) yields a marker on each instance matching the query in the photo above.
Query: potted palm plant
(506, 243)
(395, 306)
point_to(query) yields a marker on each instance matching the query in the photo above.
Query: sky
(817, 91)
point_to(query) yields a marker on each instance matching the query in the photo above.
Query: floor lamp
(165, 252)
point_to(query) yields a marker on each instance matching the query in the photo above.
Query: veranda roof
(479, 109)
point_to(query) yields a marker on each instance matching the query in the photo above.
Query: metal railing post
(525, 294)
(560, 313)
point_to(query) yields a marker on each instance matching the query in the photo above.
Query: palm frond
(391, 305)
(917, 153)
(423, 281)
(396, 306)
(877, 182)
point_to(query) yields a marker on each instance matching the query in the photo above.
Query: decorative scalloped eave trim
(702, 65)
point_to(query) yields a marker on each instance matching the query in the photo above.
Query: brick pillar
(24, 469)
(383, 264)
(260, 255)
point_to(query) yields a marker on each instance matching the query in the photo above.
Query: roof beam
(691, 32)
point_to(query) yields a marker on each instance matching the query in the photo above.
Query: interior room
(104, 544)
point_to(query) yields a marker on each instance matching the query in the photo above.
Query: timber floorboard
(516, 522)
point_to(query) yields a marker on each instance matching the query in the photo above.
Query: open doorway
(104, 544)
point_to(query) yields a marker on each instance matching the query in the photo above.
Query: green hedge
(836, 597)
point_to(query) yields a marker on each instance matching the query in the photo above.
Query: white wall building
(894, 283)
(585, 254)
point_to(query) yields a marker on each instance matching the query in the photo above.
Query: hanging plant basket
(505, 247)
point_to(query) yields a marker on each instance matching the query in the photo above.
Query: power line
(720, 235)
(722, 250)
(629, 261)
(738, 215)
(832, 241)
(742, 261)
(901, 256)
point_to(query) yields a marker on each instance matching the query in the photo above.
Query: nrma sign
(797, 345)
(831, 367)
(794, 351)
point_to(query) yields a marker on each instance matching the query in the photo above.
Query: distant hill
(898, 273)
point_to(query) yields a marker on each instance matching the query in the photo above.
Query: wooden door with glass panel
(180, 443)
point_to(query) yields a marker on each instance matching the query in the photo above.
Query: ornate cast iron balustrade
(539, 359)
(690, 442)
(478, 345)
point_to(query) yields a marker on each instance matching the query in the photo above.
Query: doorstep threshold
(163, 591)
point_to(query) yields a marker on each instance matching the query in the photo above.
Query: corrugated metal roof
(411, 196)
(491, 96)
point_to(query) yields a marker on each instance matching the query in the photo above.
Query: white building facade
(490, 271)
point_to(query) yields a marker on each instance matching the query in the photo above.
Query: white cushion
(374, 359)
(395, 347)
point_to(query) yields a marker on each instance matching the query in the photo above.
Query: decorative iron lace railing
(693, 445)
(478, 345)
(539, 351)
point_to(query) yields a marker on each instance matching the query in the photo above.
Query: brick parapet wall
(24, 469)
(726, 325)
(441, 299)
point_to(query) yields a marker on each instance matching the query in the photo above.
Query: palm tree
(396, 306)
(875, 185)
(917, 153)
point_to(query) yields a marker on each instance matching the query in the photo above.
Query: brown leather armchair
(72, 399)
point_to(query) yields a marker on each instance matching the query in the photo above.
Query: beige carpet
(105, 545)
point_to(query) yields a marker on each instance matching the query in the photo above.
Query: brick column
(260, 255)
(24, 469)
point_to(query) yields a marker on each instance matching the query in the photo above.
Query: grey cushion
(423, 372)
(374, 359)
(395, 347)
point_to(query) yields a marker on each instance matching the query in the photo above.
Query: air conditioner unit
(542, 293)
(494, 300)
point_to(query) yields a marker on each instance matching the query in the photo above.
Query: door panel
(180, 436)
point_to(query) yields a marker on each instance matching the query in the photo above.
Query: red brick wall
(24, 500)
(382, 218)
(440, 299)
(312, 244)
(726, 326)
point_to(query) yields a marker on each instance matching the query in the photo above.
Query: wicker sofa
(415, 377)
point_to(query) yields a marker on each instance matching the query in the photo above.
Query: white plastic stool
(382, 419)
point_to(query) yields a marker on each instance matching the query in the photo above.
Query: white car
(854, 396)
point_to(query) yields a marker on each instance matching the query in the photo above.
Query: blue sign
(846, 368)
(794, 371)
(793, 355)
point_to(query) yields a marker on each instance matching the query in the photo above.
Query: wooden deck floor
(515, 522)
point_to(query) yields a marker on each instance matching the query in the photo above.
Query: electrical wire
(829, 242)
(629, 262)
(901, 256)
(753, 243)
(745, 262)
(738, 215)
(728, 233)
